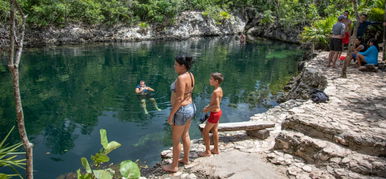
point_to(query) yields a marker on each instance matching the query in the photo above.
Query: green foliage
(143, 25)
(107, 146)
(158, 11)
(8, 157)
(376, 14)
(128, 168)
(288, 13)
(218, 14)
(319, 31)
(4, 10)
(104, 174)
(268, 17)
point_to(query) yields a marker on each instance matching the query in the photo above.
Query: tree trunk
(20, 122)
(351, 43)
(384, 35)
(13, 65)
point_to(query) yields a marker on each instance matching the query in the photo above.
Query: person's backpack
(318, 96)
(204, 118)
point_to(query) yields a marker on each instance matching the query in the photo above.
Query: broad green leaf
(85, 176)
(129, 169)
(103, 174)
(104, 140)
(86, 165)
(100, 158)
(3, 176)
(111, 146)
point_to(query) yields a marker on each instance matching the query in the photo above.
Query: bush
(4, 10)
(219, 15)
(158, 11)
(319, 31)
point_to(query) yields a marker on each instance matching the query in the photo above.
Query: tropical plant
(268, 17)
(319, 31)
(9, 157)
(218, 14)
(128, 169)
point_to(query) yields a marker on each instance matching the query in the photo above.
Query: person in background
(347, 30)
(336, 45)
(242, 38)
(363, 25)
(144, 92)
(370, 56)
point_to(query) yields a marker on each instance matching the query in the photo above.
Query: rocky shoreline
(344, 138)
(188, 24)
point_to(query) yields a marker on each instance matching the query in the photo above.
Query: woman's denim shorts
(184, 114)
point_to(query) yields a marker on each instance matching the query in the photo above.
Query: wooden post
(13, 66)
(351, 43)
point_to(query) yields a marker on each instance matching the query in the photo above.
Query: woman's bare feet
(215, 151)
(169, 168)
(183, 161)
(205, 154)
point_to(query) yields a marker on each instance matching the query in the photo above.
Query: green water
(70, 92)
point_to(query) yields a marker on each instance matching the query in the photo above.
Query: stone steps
(365, 141)
(326, 154)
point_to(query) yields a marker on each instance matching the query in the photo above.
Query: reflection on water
(70, 92)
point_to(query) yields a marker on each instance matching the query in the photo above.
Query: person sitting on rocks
(358, 47)
(370, 56)
(144, 92)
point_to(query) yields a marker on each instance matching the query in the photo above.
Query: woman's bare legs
(186, 143)
(177, 132)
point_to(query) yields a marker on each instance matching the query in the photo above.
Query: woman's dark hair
(187, 61)
(374, 43)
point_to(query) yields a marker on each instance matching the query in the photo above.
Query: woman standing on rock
(182, 111)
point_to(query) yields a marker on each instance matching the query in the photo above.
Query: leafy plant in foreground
(8, 155)
(127, 168)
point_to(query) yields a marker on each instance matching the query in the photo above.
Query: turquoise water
(70, 92)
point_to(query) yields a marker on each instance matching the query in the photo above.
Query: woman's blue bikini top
(173, 85)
